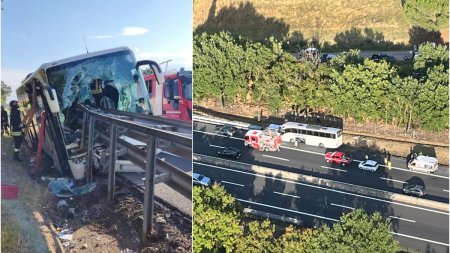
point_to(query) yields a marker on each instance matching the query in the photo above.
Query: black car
(380, 57)
(414, 189)
(230, 152)
(225, 130)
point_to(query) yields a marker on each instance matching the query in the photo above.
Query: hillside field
(322, 18)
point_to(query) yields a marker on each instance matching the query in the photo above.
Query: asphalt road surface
(310, 160)
(415, 227)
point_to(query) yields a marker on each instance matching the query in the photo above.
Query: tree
(428, 14)
(217, 67)
(217, 225)
(6, 92)
(430, 56)
(259, 238)
(359, 232)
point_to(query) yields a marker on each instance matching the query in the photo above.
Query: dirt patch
(99, 225)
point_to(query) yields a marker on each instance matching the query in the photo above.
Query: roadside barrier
(324, 182)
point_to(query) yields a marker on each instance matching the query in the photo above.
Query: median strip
(345, 188)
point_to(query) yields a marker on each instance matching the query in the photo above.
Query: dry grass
(20, 231)
(324, 17)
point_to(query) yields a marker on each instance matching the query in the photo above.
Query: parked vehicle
(324, 58)
(414, 189)
(199, 179)
(338, 157)
(312, 134)
(175, 98)
(230, 152)
(382, 56)
(225, 130)
(424, 164)
(369, 165)
(263, 140)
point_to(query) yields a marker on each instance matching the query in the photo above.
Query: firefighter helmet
(14, 104)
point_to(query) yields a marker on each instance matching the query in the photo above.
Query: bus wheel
(291, 141)
(321, 145)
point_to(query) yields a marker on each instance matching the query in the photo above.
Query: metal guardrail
(182, 126)
(146, 159)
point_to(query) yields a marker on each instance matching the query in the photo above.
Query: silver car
(369, 165)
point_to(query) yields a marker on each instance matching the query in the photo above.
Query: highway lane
(415, 227)
(310, 160)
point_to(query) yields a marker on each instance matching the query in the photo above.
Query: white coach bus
(314, 135)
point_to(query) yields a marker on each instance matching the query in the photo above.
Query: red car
(338, 157)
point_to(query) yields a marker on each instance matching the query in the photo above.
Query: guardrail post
(112, 162)
(90, 149)
(150, 168)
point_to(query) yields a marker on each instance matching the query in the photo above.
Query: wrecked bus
(176, 98)
(105, 79)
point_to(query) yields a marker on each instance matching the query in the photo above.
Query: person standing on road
(5, 124)
(16, 128)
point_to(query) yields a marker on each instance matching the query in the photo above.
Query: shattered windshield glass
(106, 81)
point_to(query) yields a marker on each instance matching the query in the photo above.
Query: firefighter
(5, 124)
(16, 128)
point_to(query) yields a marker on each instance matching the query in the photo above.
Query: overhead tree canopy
(428, 14)
(6, 91)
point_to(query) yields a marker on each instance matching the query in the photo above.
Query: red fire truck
(263, 140)
(174, 98)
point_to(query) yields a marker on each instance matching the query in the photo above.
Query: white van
(424, 164)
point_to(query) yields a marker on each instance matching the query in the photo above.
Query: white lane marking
(231, 137)
(326, 189)
(226, 182)
(285, 194)
(421, 239)
(446, 190)
(396, 217)
(333, 204)
(390, 179)
(289, 210)
(325, 167)
(216, 146)
(321, 154)
(274, 157)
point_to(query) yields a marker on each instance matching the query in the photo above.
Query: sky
(37, 32)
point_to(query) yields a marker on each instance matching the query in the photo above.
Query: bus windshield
(109, 81)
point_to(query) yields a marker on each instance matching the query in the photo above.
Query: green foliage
(429, 57)
(259, 238)
(217, 228)
(6, 91)
(216, 220)
(428, 14)
(359, 232)
(236, 70)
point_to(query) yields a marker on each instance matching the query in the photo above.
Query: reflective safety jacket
(16, 122)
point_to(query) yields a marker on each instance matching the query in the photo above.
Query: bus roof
(45, 66)
(297, 125)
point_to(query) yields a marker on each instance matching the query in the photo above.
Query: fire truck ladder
(108, 125)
